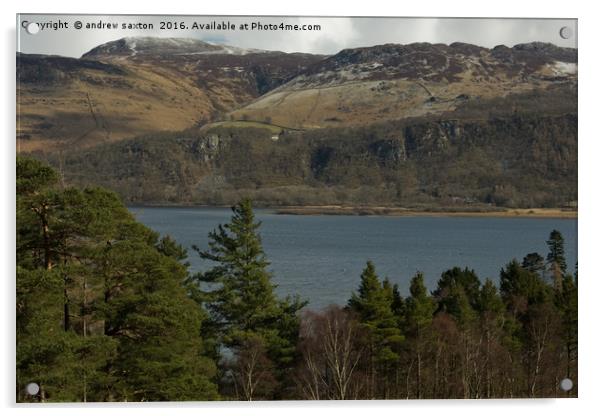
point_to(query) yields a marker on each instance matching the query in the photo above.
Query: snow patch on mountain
(144, 45)
(564, 68)
(132, 46)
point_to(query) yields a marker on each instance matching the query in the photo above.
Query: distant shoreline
(407, 212)
(316, 210)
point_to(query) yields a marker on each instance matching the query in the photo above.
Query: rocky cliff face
(511, 161)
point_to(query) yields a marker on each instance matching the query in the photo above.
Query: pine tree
(491, 310)
(532, 324)
(556, 258)
(454, 301)
(489, 299)
(520, 287)
(461, 278)
(144, 306)
(103, 312)
(566, 303)
(419, 305)
(243, 307)
(420, 308)
(373, 306)
(565, 298)
(58, 361)
(54, 243)
(457, 305)
(533, 262)
(398, 304)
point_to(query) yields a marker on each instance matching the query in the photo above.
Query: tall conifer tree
(240, 294)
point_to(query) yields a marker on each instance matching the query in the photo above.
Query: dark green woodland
(108, 310)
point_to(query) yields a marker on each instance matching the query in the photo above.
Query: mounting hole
(566, 32)
(32, 389)
(32, 28)
(566, 384)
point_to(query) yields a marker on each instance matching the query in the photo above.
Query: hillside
(479, 156)
(145, 46)
(389, 82)
(428, 126)
(136, 86)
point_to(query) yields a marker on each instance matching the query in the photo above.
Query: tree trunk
(418, 375)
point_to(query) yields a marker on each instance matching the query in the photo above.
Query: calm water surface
(321, 257)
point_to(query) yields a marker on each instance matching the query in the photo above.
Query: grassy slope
(360, 102)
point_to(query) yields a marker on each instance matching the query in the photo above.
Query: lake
(321, 257)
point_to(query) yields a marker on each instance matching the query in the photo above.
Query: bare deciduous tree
(252, 371)
(330, 356)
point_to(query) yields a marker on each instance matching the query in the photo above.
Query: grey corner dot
(566, 384)
(566, 32)
(32, 28)
(32, 389)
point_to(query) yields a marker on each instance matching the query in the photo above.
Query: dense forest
(107, 310)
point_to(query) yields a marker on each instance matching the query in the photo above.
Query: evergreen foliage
(108, 311)
(102, 307)
(240, 298)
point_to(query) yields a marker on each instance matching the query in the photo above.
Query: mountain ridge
(385, 82)
(422, 125)
(136, 85)
(148, 45)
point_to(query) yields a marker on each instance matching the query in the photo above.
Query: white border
(590, 199)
